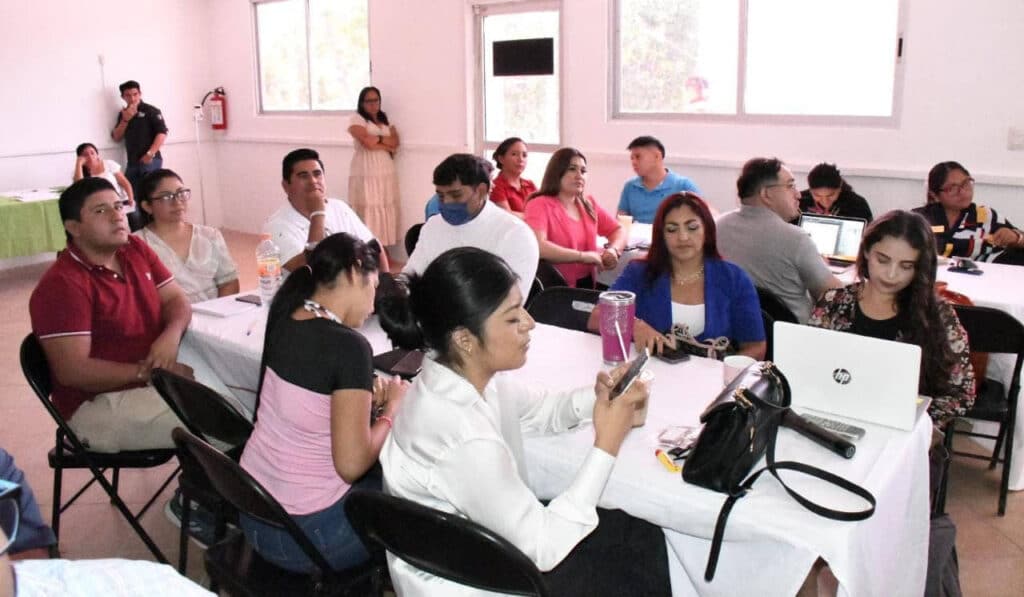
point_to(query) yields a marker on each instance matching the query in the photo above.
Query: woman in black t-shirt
(896, 300)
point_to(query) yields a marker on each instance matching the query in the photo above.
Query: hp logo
(841, 376)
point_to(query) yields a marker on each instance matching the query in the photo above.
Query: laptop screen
(834, 235)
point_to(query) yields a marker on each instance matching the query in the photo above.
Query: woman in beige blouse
(197, 255)
(372, 181)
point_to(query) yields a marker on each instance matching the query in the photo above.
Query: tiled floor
(991, 549)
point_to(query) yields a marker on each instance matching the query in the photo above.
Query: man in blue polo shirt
(642, 194)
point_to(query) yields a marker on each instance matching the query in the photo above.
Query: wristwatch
(311, 245)
(151, 154)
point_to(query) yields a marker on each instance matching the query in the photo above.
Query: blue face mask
(455, 214)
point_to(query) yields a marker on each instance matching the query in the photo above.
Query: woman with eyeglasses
(963, 228)
(197, 255)
(372, 180)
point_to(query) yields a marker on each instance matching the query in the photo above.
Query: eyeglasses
(956, 188)
(108, 208)
(791, 185)
(10, 513)
(373, 100)
(182, 195)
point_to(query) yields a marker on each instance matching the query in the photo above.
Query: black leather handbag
(740, 427)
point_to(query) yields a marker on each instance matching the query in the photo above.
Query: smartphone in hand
(631, 375)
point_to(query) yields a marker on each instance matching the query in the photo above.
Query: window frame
(741, 116)
(260, 110)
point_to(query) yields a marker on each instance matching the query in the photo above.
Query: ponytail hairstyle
(918, 303)
(79, 151)
(336, 254)
(459, 289)
(557, 166)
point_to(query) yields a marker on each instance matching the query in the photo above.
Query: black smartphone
(673, 355)
(249, 298)
(963, 265)
(634, 371)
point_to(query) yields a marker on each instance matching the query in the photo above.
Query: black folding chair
(769, 334)
(773, 305)
(70, 453)
(993, 331)
(564, 307)
(209, 416)
(549, 275)
(412, 236)
(234, 564)
(472, 554)
(535, 288)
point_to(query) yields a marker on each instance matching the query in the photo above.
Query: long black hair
(79, 151)
(558, 165)
(339, 253)
(382, 118)
(459, 289)
(917, 304)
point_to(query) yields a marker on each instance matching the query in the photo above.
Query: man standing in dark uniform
(143, 129)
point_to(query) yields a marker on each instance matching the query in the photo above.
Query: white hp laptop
(844, 374)
(837, 238)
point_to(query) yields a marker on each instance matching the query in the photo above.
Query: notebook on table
(852, 376)
(837, 238)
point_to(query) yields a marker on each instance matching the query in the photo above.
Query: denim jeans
(135, 173)
(328, 530)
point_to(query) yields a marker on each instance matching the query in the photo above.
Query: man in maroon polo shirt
(107, 313)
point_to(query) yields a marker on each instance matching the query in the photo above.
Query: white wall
(964, 77)
(57, 94)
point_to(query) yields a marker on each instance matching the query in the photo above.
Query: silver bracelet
(316, 213)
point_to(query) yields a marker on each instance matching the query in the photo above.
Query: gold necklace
(697, 275)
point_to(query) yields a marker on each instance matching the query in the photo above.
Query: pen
(252, 326)
(667, 462)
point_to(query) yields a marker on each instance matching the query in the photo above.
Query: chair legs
(1000, 436)
(55, 513)
(1008, 458)
(186, 512)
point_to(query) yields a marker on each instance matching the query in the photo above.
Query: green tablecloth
(29, 228)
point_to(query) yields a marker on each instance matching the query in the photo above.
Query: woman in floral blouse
(896, 300)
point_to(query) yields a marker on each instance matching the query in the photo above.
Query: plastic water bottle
(268, 268)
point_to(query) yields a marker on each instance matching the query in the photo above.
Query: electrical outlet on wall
(1015, 139)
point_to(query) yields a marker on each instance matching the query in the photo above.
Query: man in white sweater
(469, 219)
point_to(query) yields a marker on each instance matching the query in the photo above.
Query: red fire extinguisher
(218, 100)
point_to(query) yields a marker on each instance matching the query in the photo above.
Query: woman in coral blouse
(567, 222)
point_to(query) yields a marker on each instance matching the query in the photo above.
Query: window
(314, 55)
(807, 58)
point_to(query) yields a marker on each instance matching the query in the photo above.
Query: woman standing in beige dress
(372, 181)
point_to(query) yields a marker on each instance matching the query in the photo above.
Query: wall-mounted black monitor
(517, 57)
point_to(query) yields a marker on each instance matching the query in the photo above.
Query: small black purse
(740, 427)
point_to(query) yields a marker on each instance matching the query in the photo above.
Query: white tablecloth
(771, 541)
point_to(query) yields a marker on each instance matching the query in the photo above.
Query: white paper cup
(640, 415)
(733, 366)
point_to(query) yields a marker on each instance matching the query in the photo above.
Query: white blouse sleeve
(545, 411)
(480, 479)
(356, 120)
(226, 268)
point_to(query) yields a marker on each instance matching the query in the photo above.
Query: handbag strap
(773, 467)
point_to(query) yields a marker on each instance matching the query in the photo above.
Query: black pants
(623, 556)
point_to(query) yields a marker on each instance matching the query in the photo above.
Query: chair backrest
(246, 494)
(535, 288)
(35, 368)
(565, 307)
(769, 334)
(203, 411)
(549, 275)
(774, 306)
(472, 554)
(412, 236)
(992, 330)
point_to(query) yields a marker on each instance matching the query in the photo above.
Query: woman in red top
(510, 190)
(567, 222)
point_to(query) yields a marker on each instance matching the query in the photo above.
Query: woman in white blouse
(458, 445)
(197, 255)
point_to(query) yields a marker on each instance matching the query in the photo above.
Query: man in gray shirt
(778, 256)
